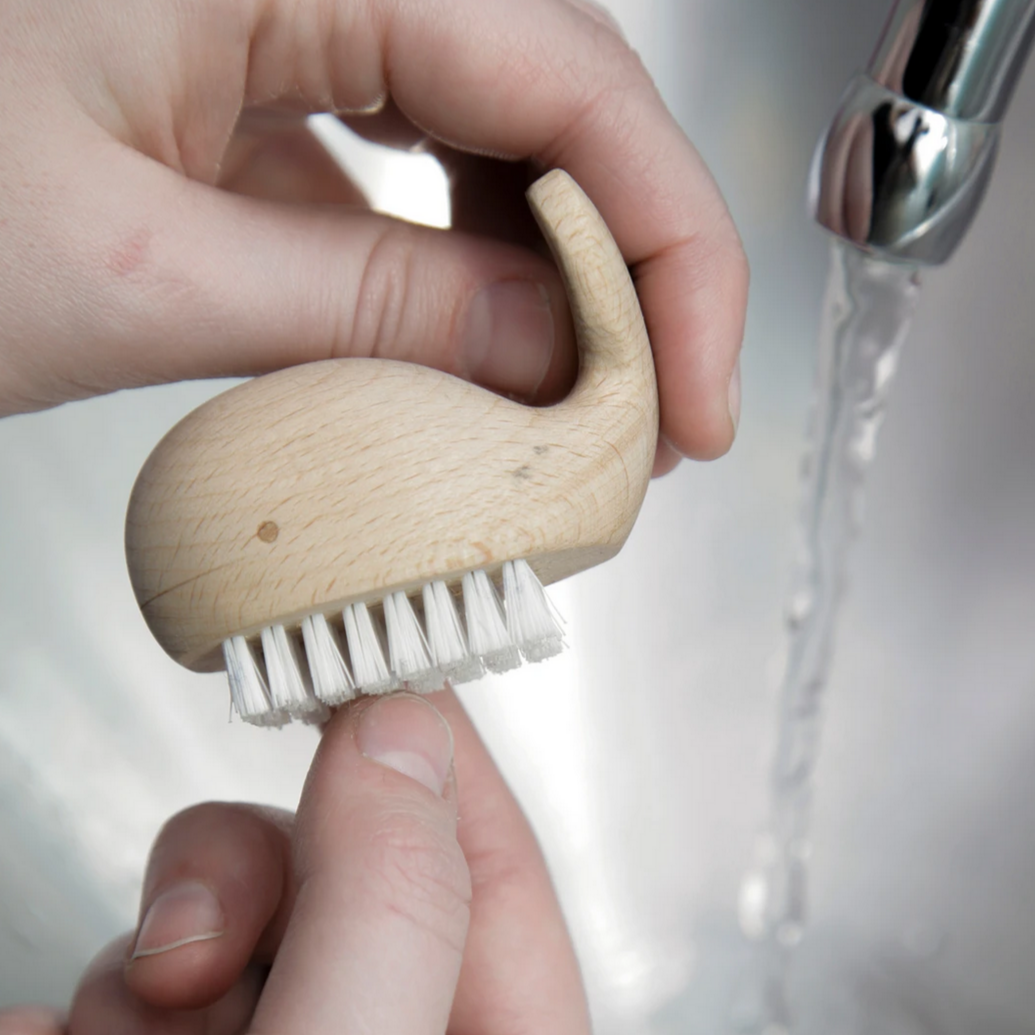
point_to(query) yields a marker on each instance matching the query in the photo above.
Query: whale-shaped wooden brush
(359, 525)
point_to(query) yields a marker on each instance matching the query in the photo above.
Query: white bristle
(248, 690)
(446, 635)
(418, 656)
(408, 651)
(531, 620)
(486, 629)
(290, 689)
(331, 679)
(369, 668)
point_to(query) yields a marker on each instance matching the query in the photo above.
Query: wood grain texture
(338, 481)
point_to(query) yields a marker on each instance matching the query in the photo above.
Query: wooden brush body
(345, 480)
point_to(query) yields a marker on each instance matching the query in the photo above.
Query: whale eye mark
(268, 531)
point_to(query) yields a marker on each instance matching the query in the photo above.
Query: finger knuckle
(387, 284)
(200, 838)
(600, 16)
(713, 254)
(621, 67)
(207, 816)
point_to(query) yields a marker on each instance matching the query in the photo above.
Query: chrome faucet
(903, 168)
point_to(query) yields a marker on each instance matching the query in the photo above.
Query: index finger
(545, 80)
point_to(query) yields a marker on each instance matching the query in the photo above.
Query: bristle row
(401, 647)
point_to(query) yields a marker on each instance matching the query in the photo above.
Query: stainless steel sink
(648, 786)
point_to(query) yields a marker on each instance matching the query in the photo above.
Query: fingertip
(184, 914)
(696, 305)
(733, 395)
(218, 887)
(714, 447)
(401, 732)
(666, 459)
(185, 977)
(408, 735)
(696, 418)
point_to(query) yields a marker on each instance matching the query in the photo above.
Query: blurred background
(641, 755)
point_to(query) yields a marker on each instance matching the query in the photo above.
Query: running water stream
(867, 312)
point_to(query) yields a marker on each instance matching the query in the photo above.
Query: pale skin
(165, 215)
(408, 895)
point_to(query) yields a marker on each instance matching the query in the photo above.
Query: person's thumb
(164, 279)
(377, 935)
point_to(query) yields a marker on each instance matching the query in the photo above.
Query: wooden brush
(348, 526)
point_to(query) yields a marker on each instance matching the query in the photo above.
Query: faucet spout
(903, 168)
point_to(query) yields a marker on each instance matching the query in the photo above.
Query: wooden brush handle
(609, 328)
(343, 480)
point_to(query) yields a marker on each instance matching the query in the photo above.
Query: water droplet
(753, 905)
(800, 606)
